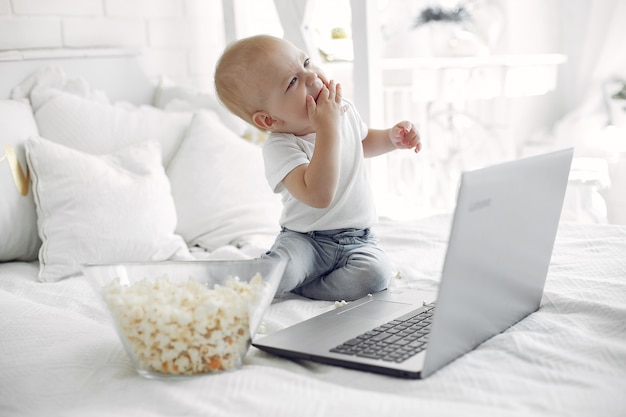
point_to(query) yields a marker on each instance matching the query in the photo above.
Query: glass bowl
(177, 319)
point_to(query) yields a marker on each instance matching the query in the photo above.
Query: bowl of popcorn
(178, 319)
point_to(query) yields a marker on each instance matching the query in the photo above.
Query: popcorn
(184, 328)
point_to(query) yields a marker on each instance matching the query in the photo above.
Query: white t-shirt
(353, 205)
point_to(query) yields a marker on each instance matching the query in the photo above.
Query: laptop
(495, 268)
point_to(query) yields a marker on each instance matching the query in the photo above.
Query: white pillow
(219, 187)
(18, 219)
(101, 128)
(46, 81)
(174, 97)
(101, 209)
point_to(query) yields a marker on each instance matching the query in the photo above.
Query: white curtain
(593, 34)
(594, 39)
(294, 17)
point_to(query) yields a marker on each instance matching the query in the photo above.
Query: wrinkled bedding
(60, 356)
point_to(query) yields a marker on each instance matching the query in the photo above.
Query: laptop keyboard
(394, 341)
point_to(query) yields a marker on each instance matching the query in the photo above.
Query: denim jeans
(343, 264)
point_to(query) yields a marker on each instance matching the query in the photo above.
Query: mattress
(60, 356)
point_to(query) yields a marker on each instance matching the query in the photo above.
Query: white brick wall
(58, 7)
(146, 8)
(5, 7)
(34, 32)
(102, 32)
(180, 39)
(169, 33)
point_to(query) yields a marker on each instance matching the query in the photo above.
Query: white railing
(461, 106)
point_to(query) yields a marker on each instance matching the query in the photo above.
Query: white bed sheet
(59, 355)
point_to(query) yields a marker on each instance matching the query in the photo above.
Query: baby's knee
(294, 273)
(374, 274)
(378, 277)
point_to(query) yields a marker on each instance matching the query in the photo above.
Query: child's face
(286, 78)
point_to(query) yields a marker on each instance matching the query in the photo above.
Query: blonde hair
(231, 75)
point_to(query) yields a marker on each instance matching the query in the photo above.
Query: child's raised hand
(404, 135)
(328, 106)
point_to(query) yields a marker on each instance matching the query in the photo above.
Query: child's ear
(264, 121)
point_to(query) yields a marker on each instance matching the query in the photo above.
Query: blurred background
(485, 81)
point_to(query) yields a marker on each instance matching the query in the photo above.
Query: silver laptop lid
(491, 279)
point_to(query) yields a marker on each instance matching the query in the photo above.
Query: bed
(203, 198)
